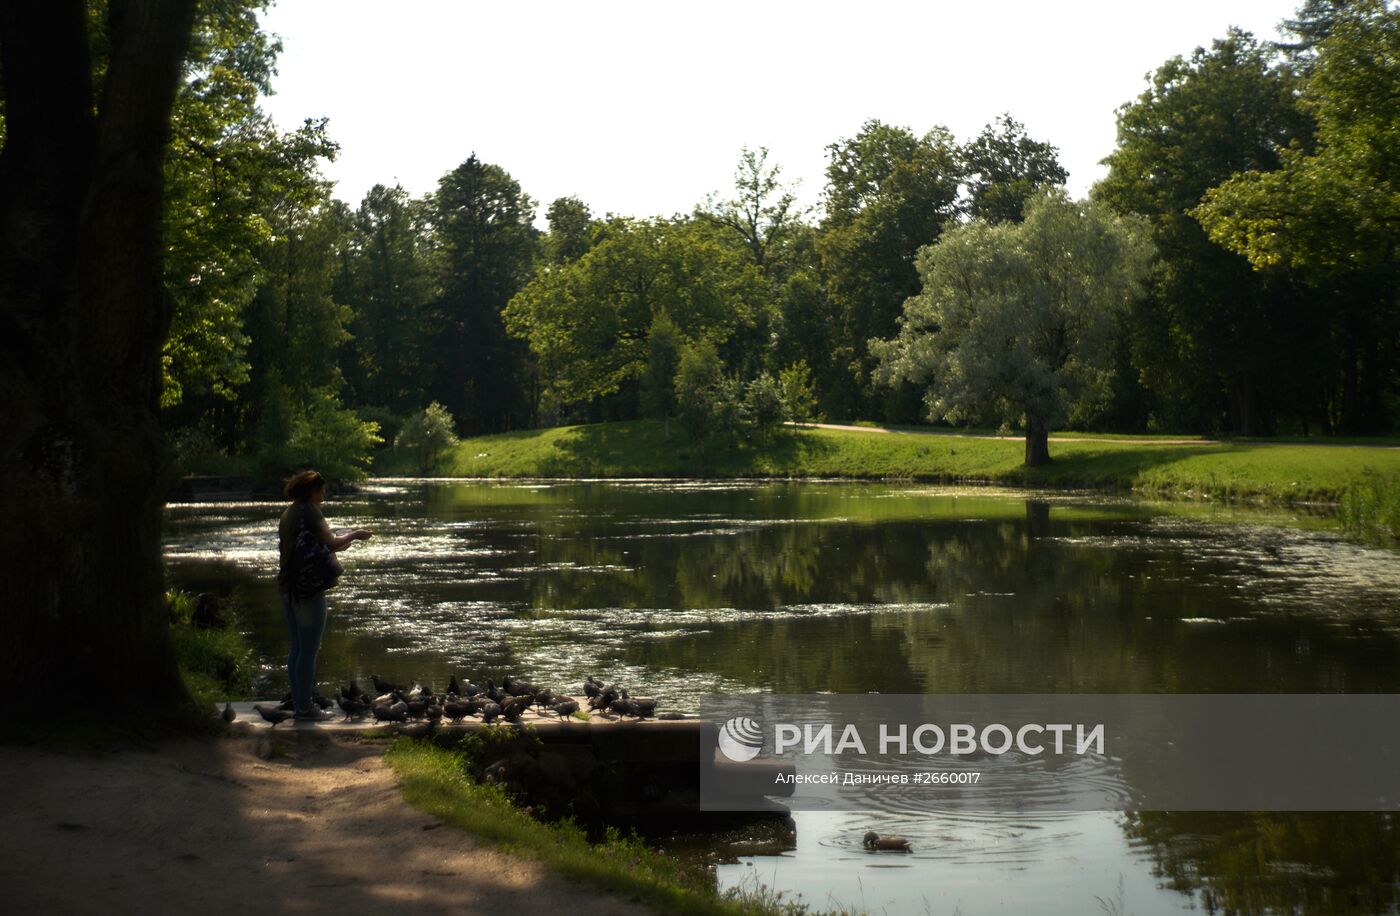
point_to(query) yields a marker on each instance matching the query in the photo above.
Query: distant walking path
(1121, 440)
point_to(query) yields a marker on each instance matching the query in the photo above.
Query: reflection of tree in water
(1331, 863)
(1040, 604)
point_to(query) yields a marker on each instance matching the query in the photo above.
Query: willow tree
(83, 315)
(1016, 321)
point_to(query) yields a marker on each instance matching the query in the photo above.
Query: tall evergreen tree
(487, 248)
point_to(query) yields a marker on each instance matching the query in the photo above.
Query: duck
(273, 714)
(873, 840)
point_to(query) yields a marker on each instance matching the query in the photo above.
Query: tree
(664, 343)
(227, 170)
(83, 465)
(1014, 321)
(385, 278)
(796, 392)
(764, 211)
(588, 321)
(1215, 338)
(1005, 167)
(570, 230)
(888, 194)
(488, 243)
(426, 434)
(1332, 212)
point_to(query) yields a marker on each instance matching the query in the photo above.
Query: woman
(306, 613)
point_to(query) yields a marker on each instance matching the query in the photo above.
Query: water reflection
(687, 588)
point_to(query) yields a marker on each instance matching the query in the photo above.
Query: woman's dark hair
(302, 484)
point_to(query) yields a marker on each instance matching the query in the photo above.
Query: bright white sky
(640, 108)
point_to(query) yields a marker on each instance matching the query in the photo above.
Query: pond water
(684, 588)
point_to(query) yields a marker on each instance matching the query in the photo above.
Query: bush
(1370, 508)
(331, 438)
(426, 435)
(798, 393)
(763, 403)
(216, 665)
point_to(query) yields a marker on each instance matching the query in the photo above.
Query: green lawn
(1282, 472)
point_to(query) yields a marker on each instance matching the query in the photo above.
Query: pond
(686, 588)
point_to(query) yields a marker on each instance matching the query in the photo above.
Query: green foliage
(663, 360)
(227, 169)
(588, 322)
(1370, 508)
(799, 398)
(1005, 168)
(889, 193)
(763, 215)
(331, 438)
(699, 378)
(217, 665)
(426, 435)
(763, 403)
(484, 225)
(385, 278)
(1333, 209)
(1212, 332)
(571, 230)
(1016, 320)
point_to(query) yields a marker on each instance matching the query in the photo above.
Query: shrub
(1370, 508)
(426, 435)
(797, 392)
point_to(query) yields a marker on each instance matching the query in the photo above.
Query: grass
(216, 664)
(1254, 470)
(1370, 509)
(434, 780)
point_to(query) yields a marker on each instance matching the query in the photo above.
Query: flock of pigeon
(391, 703)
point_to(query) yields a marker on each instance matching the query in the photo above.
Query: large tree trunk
(1037, 442)
(83, 468)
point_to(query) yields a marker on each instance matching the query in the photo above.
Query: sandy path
(209, 827)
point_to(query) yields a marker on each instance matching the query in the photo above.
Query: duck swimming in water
(874, 841)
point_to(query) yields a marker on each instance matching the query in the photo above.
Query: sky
(641, 108)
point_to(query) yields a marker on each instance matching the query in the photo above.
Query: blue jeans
(306, 621)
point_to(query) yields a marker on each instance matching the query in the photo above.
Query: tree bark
(1037, 442)
(83, 316)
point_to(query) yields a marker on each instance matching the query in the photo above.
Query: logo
(741, 739)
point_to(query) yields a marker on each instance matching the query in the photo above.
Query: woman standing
(306, 568)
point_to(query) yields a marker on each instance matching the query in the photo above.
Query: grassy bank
(1235, 470)
(433, 780)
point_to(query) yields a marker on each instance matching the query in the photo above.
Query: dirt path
(210, 827)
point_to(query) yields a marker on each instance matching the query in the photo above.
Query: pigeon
(398, 712)
(228, 715)
(490, 711)
(382, 686)
(513, 708)
(417, 730)
(452, 689)
(273, 714)
(565, 707)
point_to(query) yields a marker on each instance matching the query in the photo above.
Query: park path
(211, 827)
(1121, 440)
